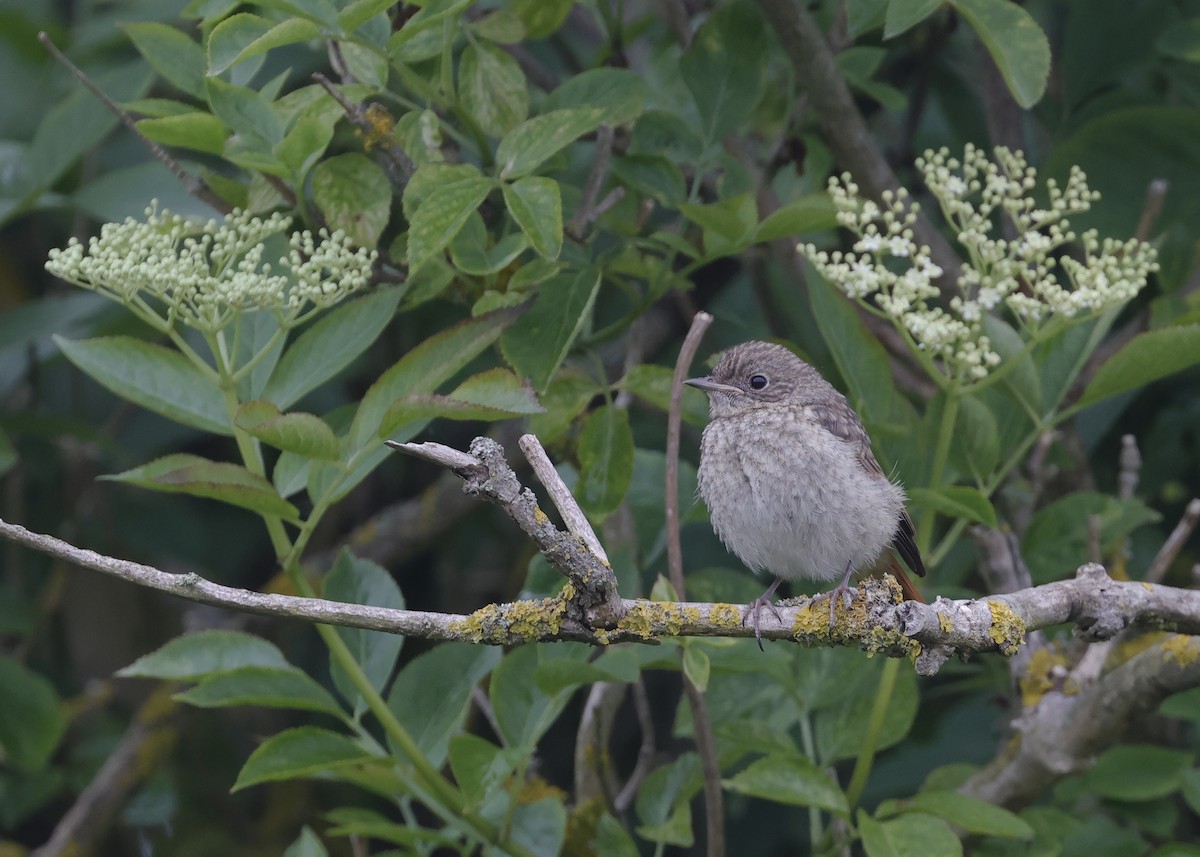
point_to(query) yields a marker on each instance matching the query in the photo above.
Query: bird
(791, 484)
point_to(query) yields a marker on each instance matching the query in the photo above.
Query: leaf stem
(866, 754)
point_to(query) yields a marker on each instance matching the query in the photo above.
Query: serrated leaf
(605, 460)
(442, 214)
(428, 366)
(301, 433)
(330, 345)
(200, 132)
(300, 752)
(271, 687)
(184, 473)
(1016, 43)
(157, 378)
(496, 394)
(793, 780)
(536, 205)
(908, 836)
(200, 654)
(1145, 358)
(32, 718)
(537, 345)
(247, 112)
(354, 194)
(171, 53)
(492, 88)
(535, 140)
(431, 694)
(957, 501)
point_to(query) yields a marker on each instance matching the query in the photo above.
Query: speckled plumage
(787, 471)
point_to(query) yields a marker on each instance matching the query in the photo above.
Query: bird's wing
(838, 418)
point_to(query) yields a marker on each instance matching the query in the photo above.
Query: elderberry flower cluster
(1029, 274)
(169, 268)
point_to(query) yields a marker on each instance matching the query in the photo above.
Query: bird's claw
(846, 593)
(754, 608)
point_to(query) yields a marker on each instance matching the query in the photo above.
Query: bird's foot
(844, 591)
(754, 609)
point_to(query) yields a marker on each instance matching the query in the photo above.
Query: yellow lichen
(518, 621)
(944, 623)
(725, 616)
(648, 619)
(1039, 678)
(1007, 630)
(1181, 648)
(539, 517)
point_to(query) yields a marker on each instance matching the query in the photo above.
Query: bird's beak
(708, 385)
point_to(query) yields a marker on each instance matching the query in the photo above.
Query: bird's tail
(911, 593)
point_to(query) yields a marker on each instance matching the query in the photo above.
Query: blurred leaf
(157, 378)
(493, 395)
(271, 687)
(662, 802)
(8, 453)
(32, 718)
(792, 780)
(612, 839)
(200, 132)
(354, 194)
(697, 667)
(307, 844)
(725, 68)
(301, 433)
(442, 214)
(902, 14)
(428, 366)
(1147, 357)
(619, 91)
(618, 665)
(353, 580)
(807, 214)
(471, 253)
(321, 12)
(195, 656)
(653, 384)
(229, 40)
(527, 146)
(492, 88)
(840, 728)
(908, 836)
(971, 814)
(1138, 772)
(330, 345)
(536, 206)
(975, 446)
(432, 693)
(300, 752)
(537, 344)
(1181, 41)
(523, 712)
(184, 473)
(605, 460)
(246, 112)
(1016, 43)
(426, 18)
(956, 501)
(540, 826)
(653, 176)
(502, 26)
(480, 767)
(1055, 544)
(563, 400)
(359, 821)
(304, 144)
(542, 17)
(171, 53)
(358, 12)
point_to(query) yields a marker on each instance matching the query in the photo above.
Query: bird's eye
(758, 382)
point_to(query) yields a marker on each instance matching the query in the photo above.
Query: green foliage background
(470, 175)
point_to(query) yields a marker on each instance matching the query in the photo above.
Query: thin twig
(647, 751)
(585, 215)
(1094, 553)
(399, 165)
(687, 353)
(560, 495)
(195, 186)
(1174, 543)
(1156, 194)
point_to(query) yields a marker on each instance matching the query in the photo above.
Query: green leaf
(200, 132)
(612, 839)
(840, 728)
(32, 718)
(620, 92)
(725, 68)
(957, 501)
(428, 366)
(697, 667)
(301, 752)
(271, 687)
(812, 213)
(304, 144)
(1147, 357)
(903, 14)
(653, 384)
(359, 581)
(537, 345)
(523, 712)
(307, 844)
(908, 836)
(184, 473)
(171, 53)
(1055, 544)
(564, 399)
(330, 345)
(301, 433)
(157, 378)
(492, 88)
(231, 37)
(195, 656)
(971, 814)
(359, 12)
(975, 447)
(290, 31)
(540, 826)
(480, 767)
(359, 821)
(1016, 43)
(535, 204)
(247, 112)
(1181, 41)
(442, 214)
(617, 665)
(662, 802)
(534, 141)
(471, 253)
(653, 176)
(1138, 772)
(432, 693)
(542, 17)
(354, 194)
(492, 395)
(605, 460)
(792, 780)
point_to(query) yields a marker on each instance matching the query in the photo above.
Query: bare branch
(560, 495)
(1174, 543)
